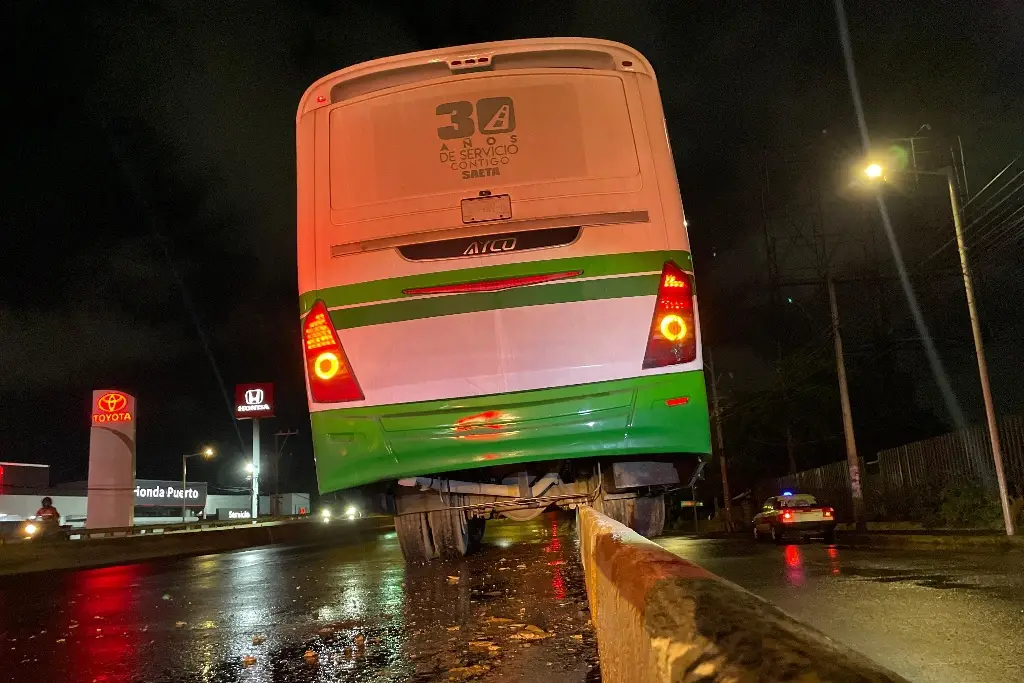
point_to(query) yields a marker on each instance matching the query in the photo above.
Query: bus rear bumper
(655, 414)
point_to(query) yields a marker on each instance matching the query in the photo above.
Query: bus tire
(644, 515)
(414, 537)
(618, 509)
(451, 533)
(649, 516)
(476, 532)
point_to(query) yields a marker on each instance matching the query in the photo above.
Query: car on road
(791, 515)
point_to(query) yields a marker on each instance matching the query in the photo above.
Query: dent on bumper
(355, 446)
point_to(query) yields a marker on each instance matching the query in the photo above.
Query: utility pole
(844, 397)
(986, 390)
(790, 451)
(278, 449)
(717, 412)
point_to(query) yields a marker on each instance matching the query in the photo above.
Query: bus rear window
(475, 133)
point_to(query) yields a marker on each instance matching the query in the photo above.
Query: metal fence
(924, 468)
(897, 482)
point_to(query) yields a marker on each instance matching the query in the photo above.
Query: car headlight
(351, 511)
(31, 529)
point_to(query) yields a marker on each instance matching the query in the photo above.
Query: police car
(794, 515)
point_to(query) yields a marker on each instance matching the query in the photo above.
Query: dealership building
(23, 485)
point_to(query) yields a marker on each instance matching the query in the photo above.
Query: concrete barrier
(660, 618)
(36, 556)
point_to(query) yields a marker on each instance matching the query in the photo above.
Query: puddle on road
(939, 581)
(518, 612)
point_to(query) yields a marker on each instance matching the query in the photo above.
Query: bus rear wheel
(649, 516)
(476, 532)
(414, 536)
(451, 529)
(643, 514)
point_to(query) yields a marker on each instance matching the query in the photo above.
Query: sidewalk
(944, 539)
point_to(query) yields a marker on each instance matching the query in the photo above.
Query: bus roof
(378, 74)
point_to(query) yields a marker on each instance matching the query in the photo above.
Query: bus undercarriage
(444, 515)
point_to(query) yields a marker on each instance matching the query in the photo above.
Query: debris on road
(463, 673)
(497, 620)
(532, 632)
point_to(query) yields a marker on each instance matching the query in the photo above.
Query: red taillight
(828, 512)
(495, 285)
(673, 336)
(330, 376)
(787, 516)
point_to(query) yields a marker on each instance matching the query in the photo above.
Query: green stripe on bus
(560, 293)
(592, 266)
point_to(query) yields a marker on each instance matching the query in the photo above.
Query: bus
(497, 301)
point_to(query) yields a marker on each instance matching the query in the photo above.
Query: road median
(661, 618)
(36, 556)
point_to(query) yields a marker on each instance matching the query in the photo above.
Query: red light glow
(794, 565)
(672, 338)
(331, 379)
(678, 401)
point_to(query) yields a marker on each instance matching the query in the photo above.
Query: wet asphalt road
(928, 615)
(514, 612)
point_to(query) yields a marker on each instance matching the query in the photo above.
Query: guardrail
(178, 527)
(660, 618)
(82, 533)
(120, 546)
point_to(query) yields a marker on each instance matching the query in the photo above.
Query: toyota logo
(112, 402)
(253, 397)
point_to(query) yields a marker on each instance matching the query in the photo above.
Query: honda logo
(254, 400)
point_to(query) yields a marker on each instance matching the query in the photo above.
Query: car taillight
(828, 512)
(787, 516)
(330, 376)
(673, 336)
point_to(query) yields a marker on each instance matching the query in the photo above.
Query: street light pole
(979, 351)
(184, 478)
(206, 453)
(853, 462)
(255, 468)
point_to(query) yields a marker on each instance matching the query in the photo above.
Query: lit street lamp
(206, 454)
(875, 171)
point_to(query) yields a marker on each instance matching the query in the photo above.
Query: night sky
(148, 230)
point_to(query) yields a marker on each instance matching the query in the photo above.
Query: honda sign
(254, 400)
